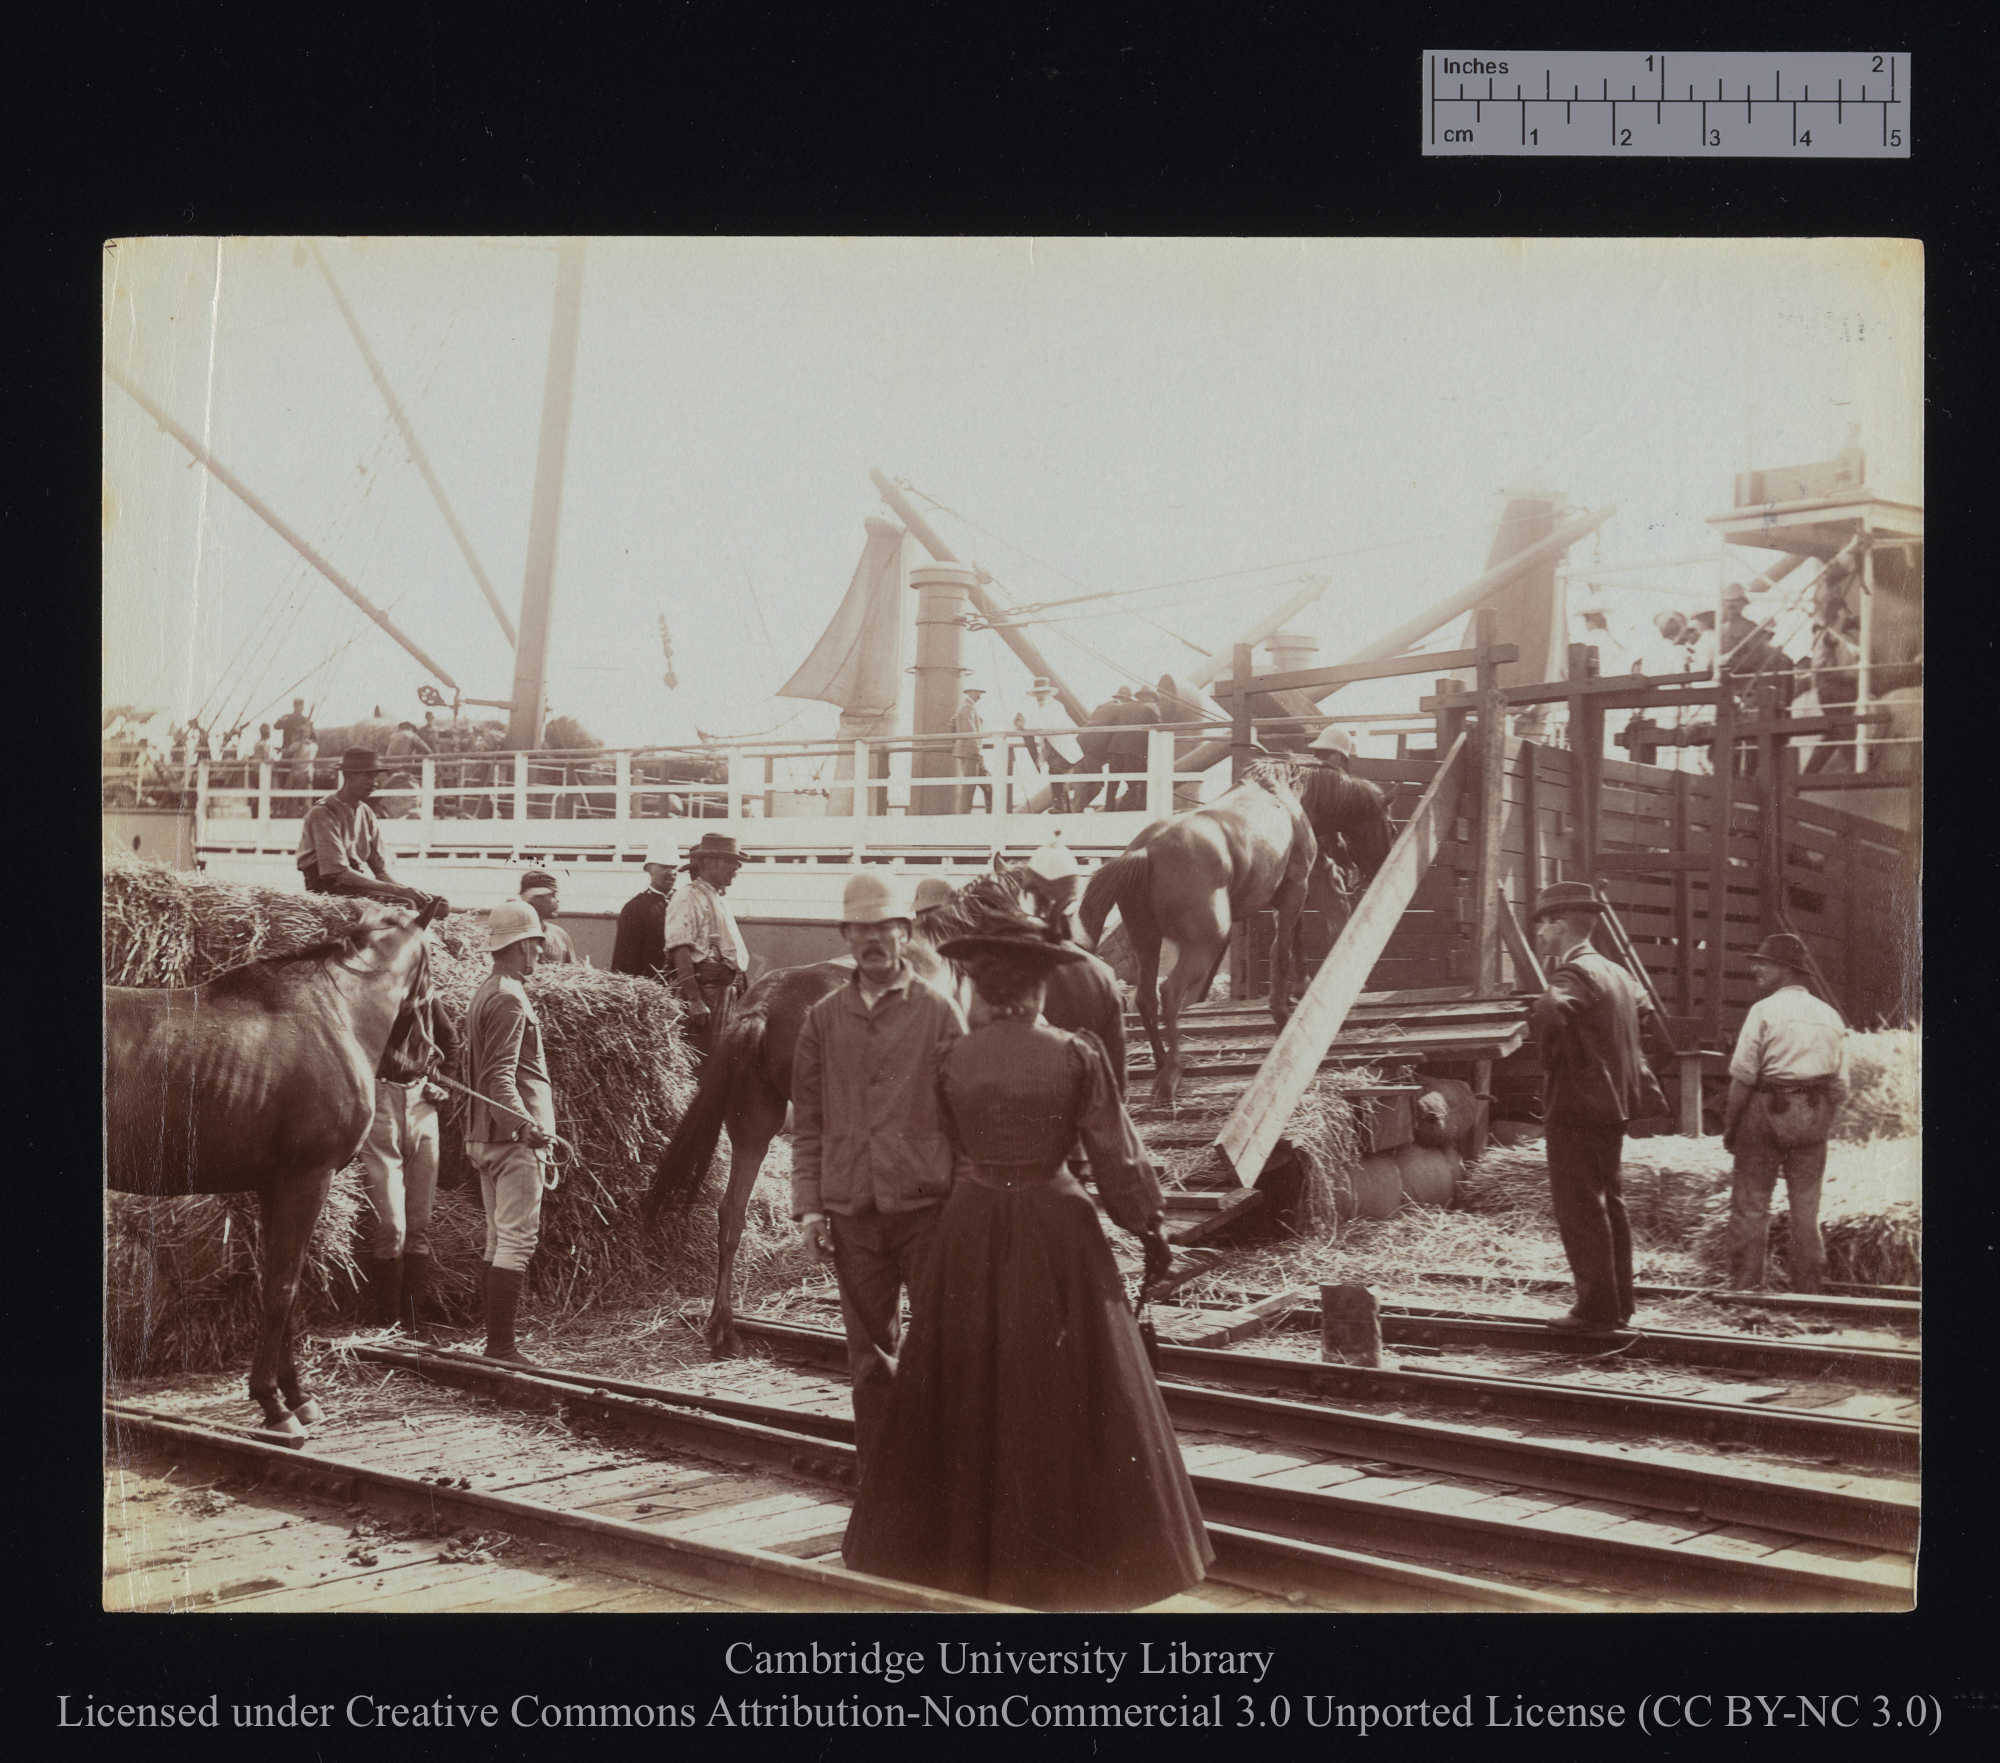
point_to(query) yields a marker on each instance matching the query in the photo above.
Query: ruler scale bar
(1786, 124)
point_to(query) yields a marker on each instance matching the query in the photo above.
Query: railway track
(739, 1499)
(1390, 1495)
(747, 1545)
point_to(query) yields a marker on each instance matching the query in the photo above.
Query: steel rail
(1244, 1556)
(610, 1544)
(1875, 1303)
(1873, 1444)
(1887, 1368)
(1720, 1492)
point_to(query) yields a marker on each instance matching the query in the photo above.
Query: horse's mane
(1333, 795)
(985, 903)
(1278, 774)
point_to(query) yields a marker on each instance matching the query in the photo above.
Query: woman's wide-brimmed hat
(1572, 896)
(1025, 945)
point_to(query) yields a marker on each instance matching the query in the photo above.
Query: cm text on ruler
(1720, 104)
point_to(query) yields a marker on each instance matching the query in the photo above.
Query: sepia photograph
(1011, 924)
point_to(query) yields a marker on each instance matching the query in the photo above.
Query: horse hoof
(288, 1427)
(308, 1413)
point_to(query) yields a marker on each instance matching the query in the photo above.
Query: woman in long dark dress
(1027, 1455)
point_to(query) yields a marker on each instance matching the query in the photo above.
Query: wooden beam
(1265, 1108)
(1490, 820)
(1687, 688)
(1519, 947)
(1721, 811)
(1320, 679)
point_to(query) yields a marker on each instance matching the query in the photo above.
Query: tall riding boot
(503, 1299)
(385, 1278)
(416, 1293)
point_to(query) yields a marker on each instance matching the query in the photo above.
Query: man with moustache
(871, 1165)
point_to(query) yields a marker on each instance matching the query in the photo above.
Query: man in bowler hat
(1587, 1025)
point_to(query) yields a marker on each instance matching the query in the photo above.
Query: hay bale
(1885, 1086)
(622, 1075)
(1871, 1217)
(181, 1277)
(1669, 1185)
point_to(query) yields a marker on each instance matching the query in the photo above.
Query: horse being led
(1183, 883)
(264, 1079)
(747, 1083)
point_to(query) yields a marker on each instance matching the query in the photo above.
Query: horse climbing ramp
(1265, 1108)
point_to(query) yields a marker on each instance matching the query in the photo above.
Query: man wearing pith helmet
(1587, 1025)
(641, 947)
(1332, 747)
(1787, 1079)
(870, 1161)
(510, 1121)
(1054, 878)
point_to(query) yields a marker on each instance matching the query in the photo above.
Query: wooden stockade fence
(1699, 869)
(1842, 884)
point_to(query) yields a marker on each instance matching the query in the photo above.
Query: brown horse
(746, 1084)
(264, 1079)
(1183, 883)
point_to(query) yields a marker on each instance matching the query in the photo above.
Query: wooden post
(264, 792)
(1531, 808)
(1491, 814)
(1159, 771)
(1350, 1326)
(1242, 736)
(1721, 812)
(770, 776)
(621, 786)
(1586, 746)
(520, 786)
(1773, 750)
(1690, 1069)
(1242, 732)
(1864, 677)
(1683, 885)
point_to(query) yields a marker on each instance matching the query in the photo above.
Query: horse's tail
(684, 1163)
(1114, 884)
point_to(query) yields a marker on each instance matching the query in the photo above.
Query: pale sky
(1095, 415)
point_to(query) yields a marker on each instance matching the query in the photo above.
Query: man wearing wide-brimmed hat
(870, 1161)
(340, 845)
(1787, 1079)
(640, 949)
(710, 961)
(1588, 1026)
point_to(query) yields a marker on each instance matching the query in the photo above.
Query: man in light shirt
(1787, 1080)
(709, 960)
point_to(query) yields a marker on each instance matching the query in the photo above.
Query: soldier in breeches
(1787, 1080)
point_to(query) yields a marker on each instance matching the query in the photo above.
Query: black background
(1245, 119)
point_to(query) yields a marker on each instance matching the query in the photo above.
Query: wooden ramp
(1265, 1108)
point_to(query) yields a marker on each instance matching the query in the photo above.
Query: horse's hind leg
(290, 1213)
(1194, 966)
(753, 1123)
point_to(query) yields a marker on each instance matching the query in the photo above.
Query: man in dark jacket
(1095, 741)
(1129, 747)
(1588, 1025)
(641, 945)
